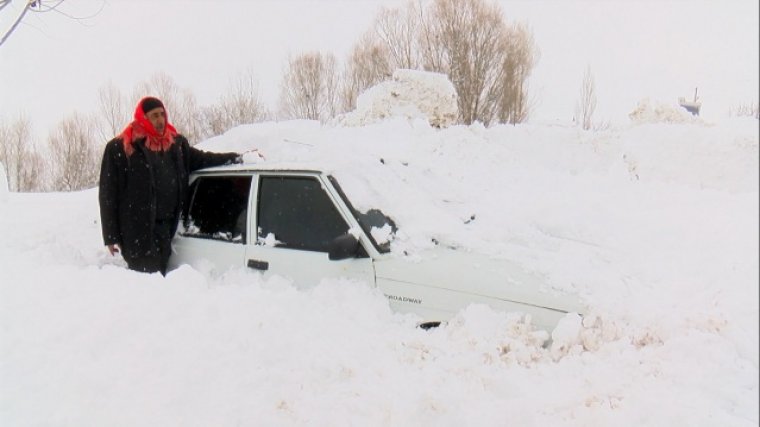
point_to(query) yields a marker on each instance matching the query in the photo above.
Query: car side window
(217, 208)
(297, 213)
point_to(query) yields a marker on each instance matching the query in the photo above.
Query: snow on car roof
(277, 166)
(479, 188)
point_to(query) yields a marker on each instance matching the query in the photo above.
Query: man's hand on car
(251, 156)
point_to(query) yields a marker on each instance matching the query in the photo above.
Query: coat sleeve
(109, 192)
(199, 159)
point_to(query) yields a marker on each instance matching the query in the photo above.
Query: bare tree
(240, 105)
(188, 117)
(5, 146)
(399, 31)
(113, 110)
(744, 110)
(22, 164)
(368, 64)
(32, 176)
(74, 153)
(7, 153)
(310, 87)
(391, 43)
(488, 61)
(464, 39)
(584, 108)
(520, 55)
(28, 4)
(35, 6)
(215, 121)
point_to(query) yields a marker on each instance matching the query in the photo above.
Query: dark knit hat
(150, 103)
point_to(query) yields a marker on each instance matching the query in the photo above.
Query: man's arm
(199, 159)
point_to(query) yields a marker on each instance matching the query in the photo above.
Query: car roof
(263, 167)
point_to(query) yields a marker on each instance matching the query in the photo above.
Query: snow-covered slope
(655, 225)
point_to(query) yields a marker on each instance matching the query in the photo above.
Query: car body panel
(305, 268)
(204, 254)
(448, 280)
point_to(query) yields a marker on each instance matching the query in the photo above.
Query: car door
(213, 234)
(294, 221)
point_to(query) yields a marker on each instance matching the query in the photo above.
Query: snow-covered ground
(655, 225)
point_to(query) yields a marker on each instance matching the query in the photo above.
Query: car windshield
(369, 220)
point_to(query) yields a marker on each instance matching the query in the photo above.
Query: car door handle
(258, 265)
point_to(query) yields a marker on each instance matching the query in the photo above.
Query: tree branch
(25, 9)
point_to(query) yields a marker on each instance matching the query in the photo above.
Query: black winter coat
(127, 191)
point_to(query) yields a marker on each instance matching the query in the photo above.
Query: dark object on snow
(691, 106)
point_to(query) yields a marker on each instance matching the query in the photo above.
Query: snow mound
(3, 184)
(661, 113)
(412, 95)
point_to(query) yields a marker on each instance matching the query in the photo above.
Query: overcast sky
(53, 65)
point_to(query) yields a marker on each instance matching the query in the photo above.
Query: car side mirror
(343, 247)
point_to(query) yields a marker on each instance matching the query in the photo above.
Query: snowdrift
(655, 225)
(410, 94)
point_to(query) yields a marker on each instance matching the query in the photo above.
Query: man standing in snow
(143, 184)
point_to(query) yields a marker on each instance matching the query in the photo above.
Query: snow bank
(655, 225)
(661, 113)
(412, 95)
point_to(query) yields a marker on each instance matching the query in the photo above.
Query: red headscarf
(141, 127)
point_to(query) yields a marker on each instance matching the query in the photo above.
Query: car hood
(477, 274)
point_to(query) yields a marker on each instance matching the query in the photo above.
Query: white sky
(52, 65)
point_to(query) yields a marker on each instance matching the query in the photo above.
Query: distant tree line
(745, 110)
(487, 60)
(74, 146)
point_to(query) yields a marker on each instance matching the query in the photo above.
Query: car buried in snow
(299, 224)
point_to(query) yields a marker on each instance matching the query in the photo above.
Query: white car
(298, 224)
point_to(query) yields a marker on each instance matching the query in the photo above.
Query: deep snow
(655, 225)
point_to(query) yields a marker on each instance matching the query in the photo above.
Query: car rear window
(217, 208)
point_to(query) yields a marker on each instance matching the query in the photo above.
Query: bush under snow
(411, 94)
